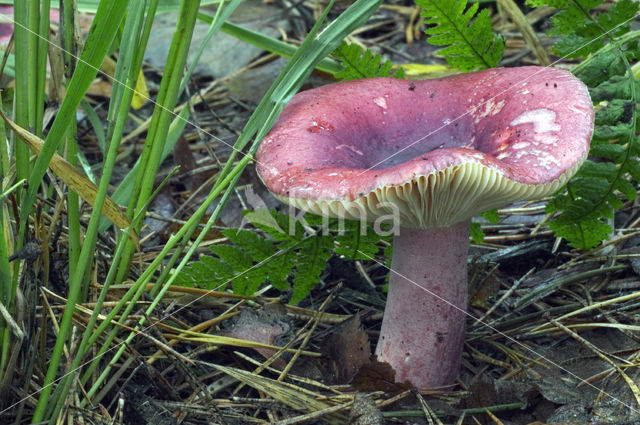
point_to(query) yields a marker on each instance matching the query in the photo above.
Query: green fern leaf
(248, 282)
(583, 34)
(359, 64)
(616, 87)
(600, 187)
(255, 245)
(470, 44)
(357, 242)
(572, 17)
(491, 216)
(476, 233)
(617, 111)
(613, 152)
(210, 273)
(279, 270)
(589, 231)
(311, 262)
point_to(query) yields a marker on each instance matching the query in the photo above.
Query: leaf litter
(557, 342)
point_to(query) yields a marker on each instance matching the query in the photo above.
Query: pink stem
(424, 321)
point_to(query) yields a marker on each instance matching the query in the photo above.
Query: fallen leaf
(378, 376)
(267, 326)
(103, 88)
(347, 349)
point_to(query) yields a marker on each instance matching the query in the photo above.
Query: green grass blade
(271, 44)
(21, 40)
(161, 119)
(101, 34)
(302, 64)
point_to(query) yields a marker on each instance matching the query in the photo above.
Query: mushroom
(431, 154)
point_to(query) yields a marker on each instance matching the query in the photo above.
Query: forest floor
(552, 332)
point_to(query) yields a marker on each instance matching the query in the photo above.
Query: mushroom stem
(422, 335)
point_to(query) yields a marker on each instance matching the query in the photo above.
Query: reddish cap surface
(6, 23)
(440, 150)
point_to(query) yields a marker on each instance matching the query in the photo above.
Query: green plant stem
(32, 59)
(161, 119)
(133, 24)
(270, 44)
(67, 21)
(312, 50)
(73, 202)
(21, 114)
(5, 290)
(138, 288)
(21, 40)
(128, 297)
(42, 44)
(101, 35)
(614, 44)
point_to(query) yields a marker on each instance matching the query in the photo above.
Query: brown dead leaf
(183, 157)
(265, 327)
(347, 349)
(74, 179)
(378, 376)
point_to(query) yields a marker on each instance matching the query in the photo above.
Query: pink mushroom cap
(441, 150)
(431, 155)
(6, 22)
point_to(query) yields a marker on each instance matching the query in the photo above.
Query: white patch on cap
(543, 120)
(381, 102)
(545, 138)
(351, 148)
(544, 159)
(491, 108)
(520, 145)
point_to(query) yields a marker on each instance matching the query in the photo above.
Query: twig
(601, 354)
(506, 295)
(316, 320)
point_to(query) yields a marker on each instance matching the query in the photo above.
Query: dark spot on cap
(289, 162)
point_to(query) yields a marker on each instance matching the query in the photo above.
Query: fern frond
(471, 42)
(362, 64)
(252, 259)
(355, 244)
(599, 188)
(311, 262)
(582, 33)
(583, 210)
